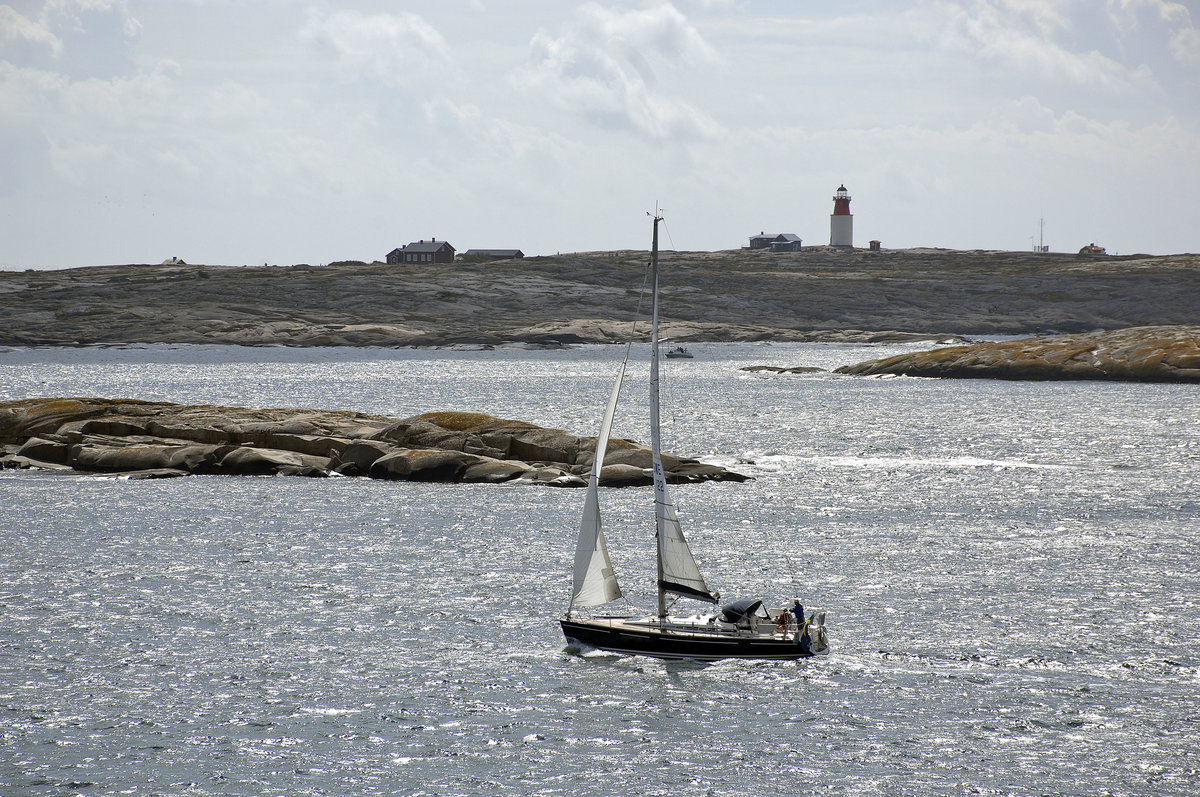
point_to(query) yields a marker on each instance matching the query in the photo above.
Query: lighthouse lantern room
(841, 222)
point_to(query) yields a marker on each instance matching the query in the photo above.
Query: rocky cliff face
(820, 293)
(1143, 354)
(153, 439)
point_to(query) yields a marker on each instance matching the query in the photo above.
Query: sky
(272, 131)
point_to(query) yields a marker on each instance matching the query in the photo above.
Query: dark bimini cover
(737, 610)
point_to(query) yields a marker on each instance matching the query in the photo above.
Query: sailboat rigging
(740, 629)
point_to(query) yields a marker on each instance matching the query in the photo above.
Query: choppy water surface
(1009, 572)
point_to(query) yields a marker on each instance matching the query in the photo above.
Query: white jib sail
(595, 581)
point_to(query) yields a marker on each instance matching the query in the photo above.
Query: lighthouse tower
(841, 223)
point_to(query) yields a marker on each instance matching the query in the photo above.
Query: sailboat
(739, 629)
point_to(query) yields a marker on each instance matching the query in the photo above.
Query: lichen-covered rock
(1137, 354)
(477, 433)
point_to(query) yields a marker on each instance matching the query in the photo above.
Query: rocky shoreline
(1141, 354)
(140, 439)
(816, 294)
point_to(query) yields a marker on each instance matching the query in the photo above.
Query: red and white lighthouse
(841, 222)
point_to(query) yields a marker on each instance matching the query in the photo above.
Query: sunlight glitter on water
(1008, 569)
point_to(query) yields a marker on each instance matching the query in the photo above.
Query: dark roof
(495, 252)
(427, 246)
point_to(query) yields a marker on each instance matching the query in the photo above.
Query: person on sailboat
(802, 635)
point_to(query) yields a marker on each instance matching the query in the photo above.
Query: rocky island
(1141, 354)
(818, 293)
(143, 439)
(815, 294)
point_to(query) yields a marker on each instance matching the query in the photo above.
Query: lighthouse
(841, 222)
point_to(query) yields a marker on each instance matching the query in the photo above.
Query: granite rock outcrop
(156, 439)
(816, 294)
(1140, 354)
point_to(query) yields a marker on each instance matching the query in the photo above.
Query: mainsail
(595, 581)
(680, 573)
(677, 570)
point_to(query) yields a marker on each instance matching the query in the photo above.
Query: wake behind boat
(741, 629)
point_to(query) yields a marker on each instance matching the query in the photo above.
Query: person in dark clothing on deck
(801, 627)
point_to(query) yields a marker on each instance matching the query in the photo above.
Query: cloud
(152, 128)
(299, 135)
(92, 125)
(1167, 11)
(1183, 39)
(81, 38)
(391, 47)
(1185, 46)
(18, 27)
(75, 13)
(489, 139)
(980, 184)
(608, 67)
(1001, 30)
(1047, 15)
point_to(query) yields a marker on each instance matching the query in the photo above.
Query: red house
(431, 251)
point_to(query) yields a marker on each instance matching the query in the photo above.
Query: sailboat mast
(655, 433)
(677, 570)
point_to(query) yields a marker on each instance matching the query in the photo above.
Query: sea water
(1008, 572)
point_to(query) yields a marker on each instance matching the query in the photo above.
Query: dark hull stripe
(667, 645)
